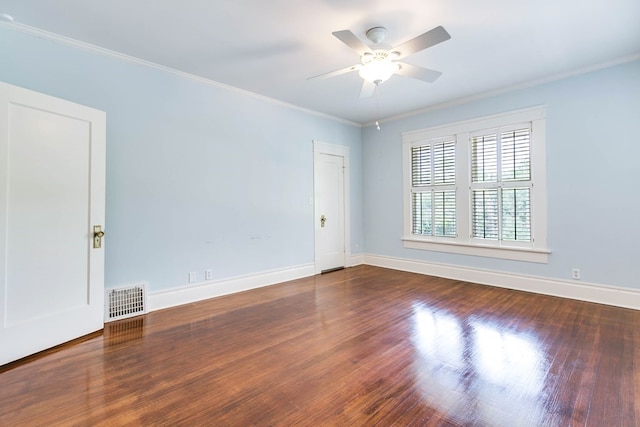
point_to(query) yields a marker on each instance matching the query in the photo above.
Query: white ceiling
(270, 47)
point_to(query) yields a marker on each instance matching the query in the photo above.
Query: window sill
(504, 252)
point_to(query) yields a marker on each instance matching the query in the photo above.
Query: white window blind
(433, 193)
(501, 185)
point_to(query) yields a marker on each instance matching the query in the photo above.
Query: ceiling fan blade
(367, 89)
(350, 39)
(428, 39)
(419, 73)
(336, 72)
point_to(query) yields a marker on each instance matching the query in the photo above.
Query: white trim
(132, 59)
(215, 288)
(592, 292)
(502, 252)
(340, 151)
(507, 89)
(357, 260)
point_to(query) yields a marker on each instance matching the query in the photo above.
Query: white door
(330, 207)
(52, 179)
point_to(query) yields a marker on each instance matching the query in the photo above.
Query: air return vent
(125, 302)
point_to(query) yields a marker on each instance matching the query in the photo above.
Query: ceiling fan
(378, 64)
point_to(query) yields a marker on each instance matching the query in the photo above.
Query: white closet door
(330, 215)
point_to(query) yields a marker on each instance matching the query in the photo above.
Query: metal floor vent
(125, 302)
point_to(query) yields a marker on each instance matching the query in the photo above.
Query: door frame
(339, 151)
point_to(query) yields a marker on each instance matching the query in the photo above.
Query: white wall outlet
(575, 273)
(208, 274)
(193, 277)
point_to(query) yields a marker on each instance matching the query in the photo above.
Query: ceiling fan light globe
(378, 71)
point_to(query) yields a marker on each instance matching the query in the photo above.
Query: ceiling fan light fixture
(378, 62)
(378, 71)
(377, 68)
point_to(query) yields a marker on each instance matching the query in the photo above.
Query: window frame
(534, 251)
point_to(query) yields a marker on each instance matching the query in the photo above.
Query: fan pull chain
(377, 106)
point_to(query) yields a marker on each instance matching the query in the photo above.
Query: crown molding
(510, 88)
(212, 83)
(68, 41)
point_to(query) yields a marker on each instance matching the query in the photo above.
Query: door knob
(98, 234)
(323, 219)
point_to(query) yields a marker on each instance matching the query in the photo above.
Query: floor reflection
(505, 358)
(122, 331)
(438, 337)
(472, 369)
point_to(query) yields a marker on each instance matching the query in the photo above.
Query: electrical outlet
(575, 273)
(208, 274)
(193, 277)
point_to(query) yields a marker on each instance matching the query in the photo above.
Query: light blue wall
(198, 177)
(202, 177)
(593, 170)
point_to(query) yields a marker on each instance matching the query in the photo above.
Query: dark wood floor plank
(361, 346)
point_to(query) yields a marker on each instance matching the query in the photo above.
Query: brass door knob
(98, 234)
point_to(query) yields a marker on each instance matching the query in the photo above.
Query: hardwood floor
(361, 346)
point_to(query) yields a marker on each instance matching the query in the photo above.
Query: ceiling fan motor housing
(377, 34)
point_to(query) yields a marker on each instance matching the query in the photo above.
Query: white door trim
(340, 151)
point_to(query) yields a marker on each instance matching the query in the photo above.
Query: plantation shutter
(484, 158)
(516, 157)
(433, 200)
(516, 214)
(444, 213)
(484, 220)
(444, 165)
(501, 185)
(422, 214)
(421, 166)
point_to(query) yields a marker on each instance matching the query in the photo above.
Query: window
(500, 185)
(470, 189)
(433, 191)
